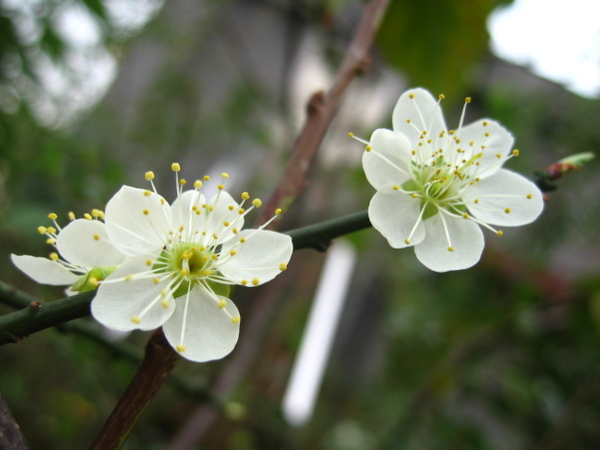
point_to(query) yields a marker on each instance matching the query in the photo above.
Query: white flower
(182, 260)
(88, 256)
(436, 187)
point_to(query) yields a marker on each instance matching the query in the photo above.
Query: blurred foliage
(436, 43)
(504, 355)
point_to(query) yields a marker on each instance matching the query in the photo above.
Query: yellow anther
(225, 175)
(476, 200)
(499, 232)
(235, 231)
(156, 280)
(232, 252)
(180, 348)
(230, 207)
(226, 224)
(175, 167)
(236, 319)
(441, 96)
(257, 202)
(206, 178)
(529, 196)
(136, 319)
(165, 303)
(71, 215)
(244, 282)
(149, 262)
(411, 95)
(163, 293)
(87, 216)
(468, 100)
(197, 184)
(222, 303)
(278, 211)
(486, 134)
(215, 236)
(465, 216)
(146, 212)
(241, 211)
(96, 213)
(283, 266)
(396, 188)
(413, 152)
(368, 148)
(507, 210)
(42, 230)
(162, 201)
(406, 241)
(245, 196)
(211, 208)
(96, 237)
(184, 272)
(94, 281)
(408, 120)
(207, 273)
(129, 277)
(515, 152)
(54, 256)
(147, 193)
(183, 182)
(415, 195)
(220, 187)
(242, 240)
(255, 281)
(450, 249)
(149, 175)
(351, 135)
(51, 230)
(52, 216)
(485, 123)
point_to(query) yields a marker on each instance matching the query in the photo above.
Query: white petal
(395, 214)
(224, 210)
(44, 270)
(422, 110)
(137, 224)
(258, 259)
(183, 214)
(465, 237)
(208, 331)
(503, 190)
(388, 161)
(135, 304)
(85, 243)
(498, 142)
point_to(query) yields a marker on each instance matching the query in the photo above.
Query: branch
(159, 361)
(321, 110)
(10, 433)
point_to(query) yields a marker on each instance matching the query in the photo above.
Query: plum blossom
(437, 187)
(182, 260)
(87, 255)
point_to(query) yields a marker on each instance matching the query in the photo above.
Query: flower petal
(137, 221)
(85, 243)
(262, 256)
(388, 159)
(394, 214)
(44, 270)
(138, 303)
(199, 329)
(420, 113)
(186, 209)
(505, 191)
(466, 238)
(224, 214)
(496, 139)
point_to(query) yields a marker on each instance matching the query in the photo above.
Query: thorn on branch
(316, 102)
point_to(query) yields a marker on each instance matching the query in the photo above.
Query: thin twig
(159, 361)
(321, 110)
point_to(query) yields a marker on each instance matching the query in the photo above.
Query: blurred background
(505, 355)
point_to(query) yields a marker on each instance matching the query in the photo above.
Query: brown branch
(321, 110)
(10, 433)
(159, 361)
